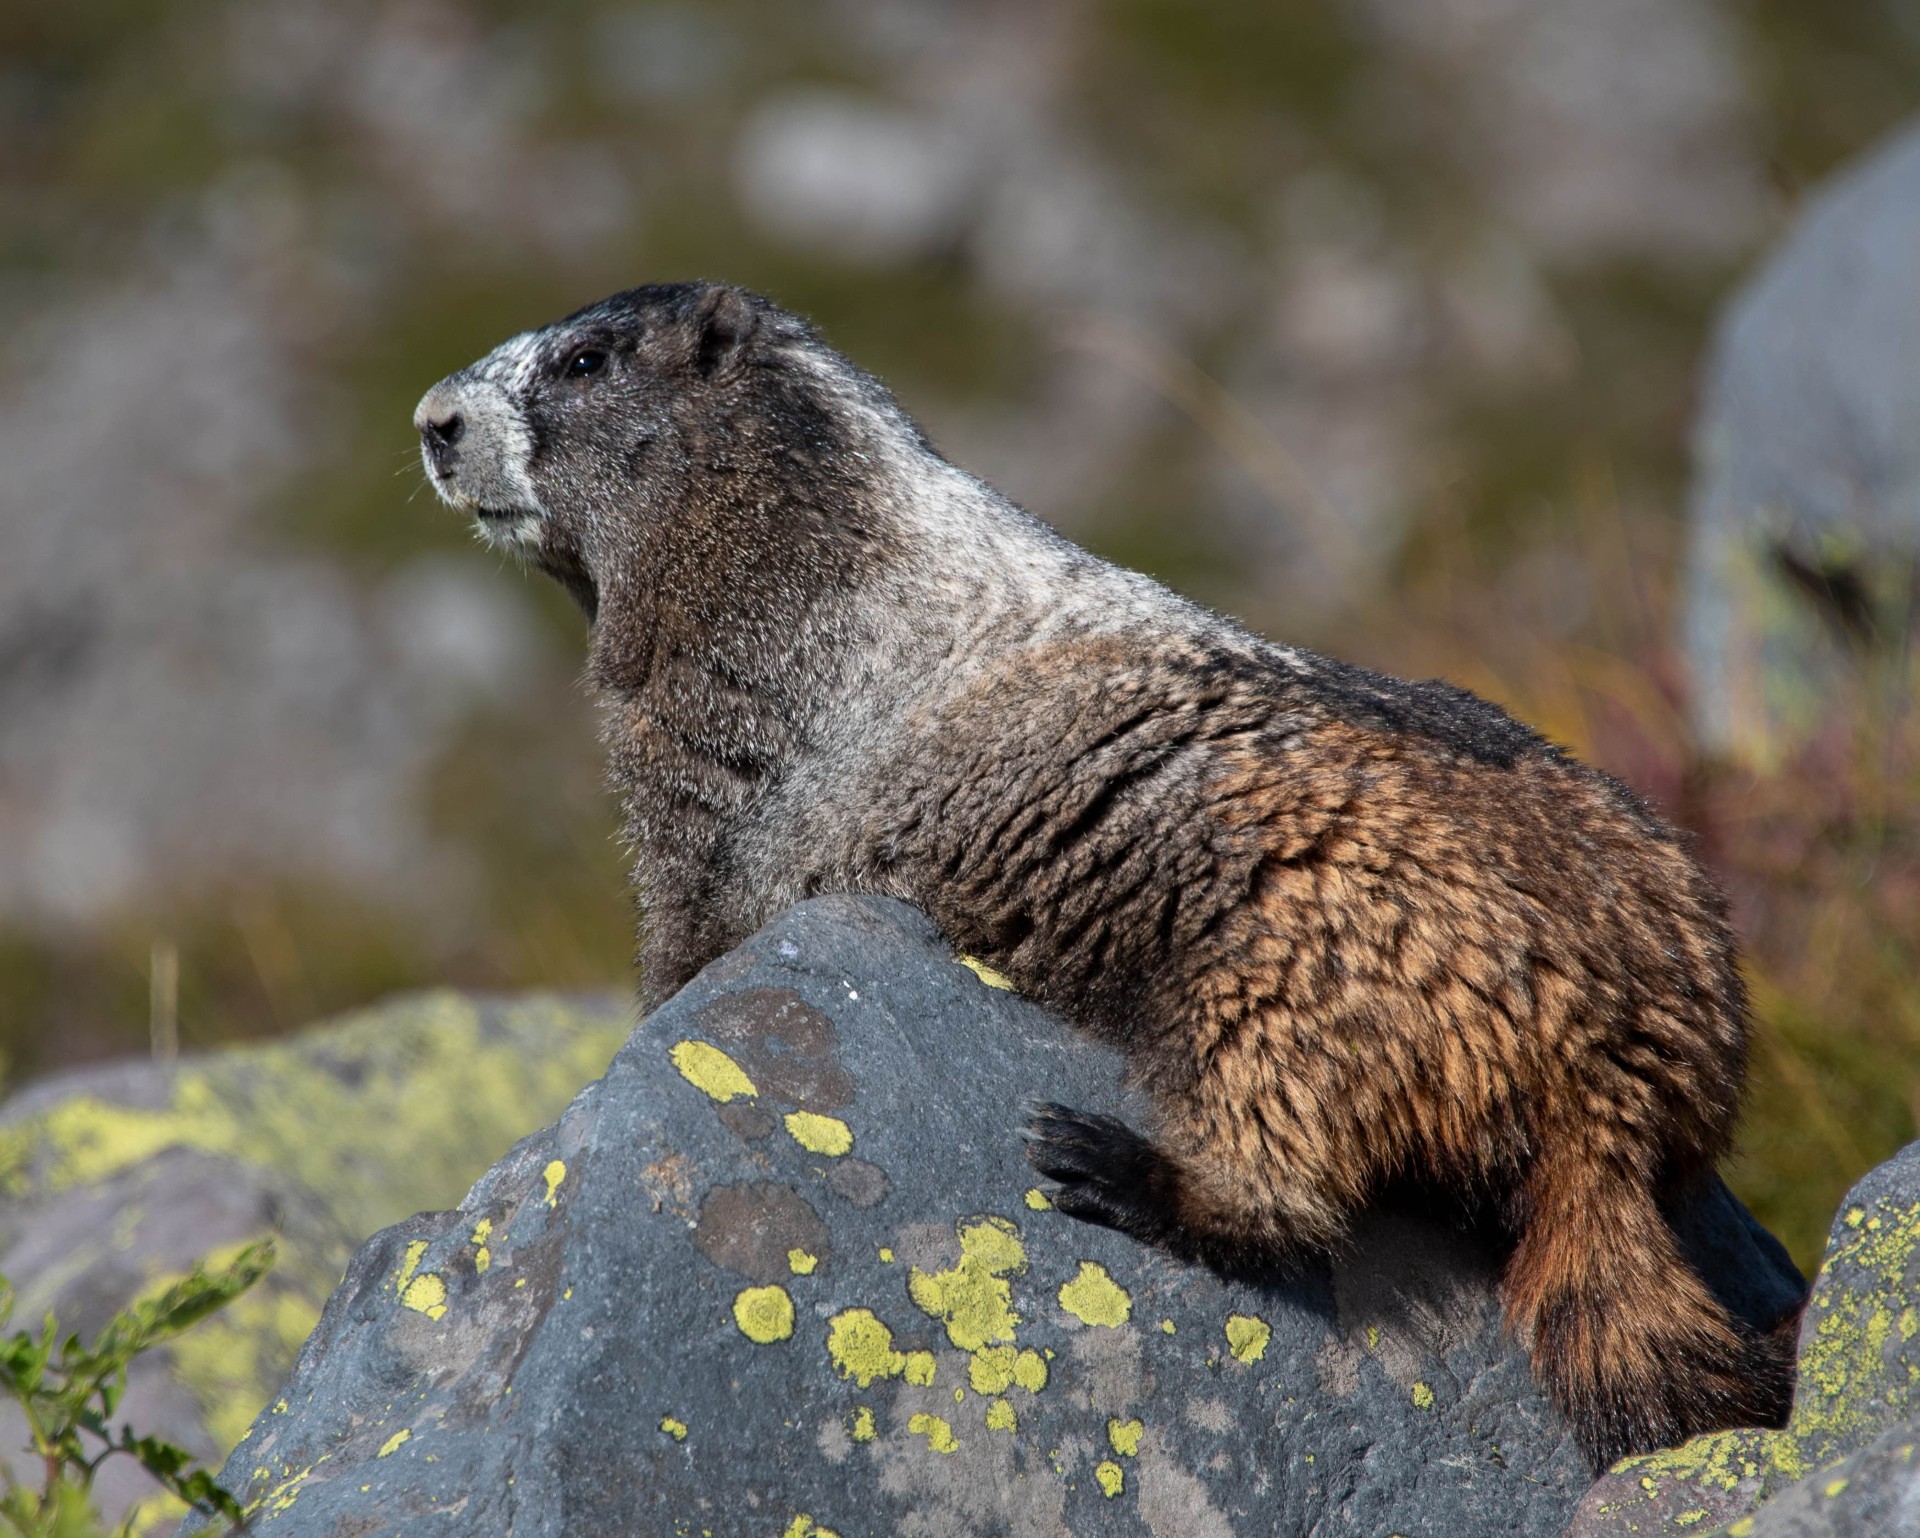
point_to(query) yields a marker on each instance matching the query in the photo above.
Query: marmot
(1347, 930)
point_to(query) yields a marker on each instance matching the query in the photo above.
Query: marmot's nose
(442, 425)
(439, 437)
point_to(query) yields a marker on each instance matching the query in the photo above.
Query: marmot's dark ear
(726, 319)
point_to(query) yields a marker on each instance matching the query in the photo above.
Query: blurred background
(1385, 325)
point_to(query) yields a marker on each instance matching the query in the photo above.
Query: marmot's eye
(588, 362)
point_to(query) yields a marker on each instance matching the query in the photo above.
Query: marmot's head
(577, 446)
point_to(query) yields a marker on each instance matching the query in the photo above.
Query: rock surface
(1850, 1456)
(1807, 443)
(784, 1271)
(118, 1179)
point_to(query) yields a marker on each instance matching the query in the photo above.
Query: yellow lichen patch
(482, 1259)
(974, 1300)
(863, 1425)
(1037, 1200)
(1166, 1326)
(677, 1429)
(939, 1433)
(1112, 1478)
(426, 1294)
(415, 1249)
(282, 1496)
(800, 1263)
(711, 1071)
(995, 1369)
(1835, 1486)
(1422, 1397)
(861, 1348)
(803, 1526)
(1000, 1417)
(394, 1443)
(886, 1256)
(826, 1135)
(1093, 1297)
(985, 973)
(1247, 1337)
(991, 1369)
(555, 1172)
(483, 1231)
(764, 1314)
(96, 1139)
(1124, 1437)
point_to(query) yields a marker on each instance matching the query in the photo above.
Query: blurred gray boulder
(1804, 564)
(785, 1270)
(117, 1179)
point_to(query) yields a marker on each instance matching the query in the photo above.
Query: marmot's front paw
(1105, 1172)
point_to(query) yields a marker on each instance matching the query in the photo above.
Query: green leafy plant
(68, 1393)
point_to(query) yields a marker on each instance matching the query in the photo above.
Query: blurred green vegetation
(1579, 470)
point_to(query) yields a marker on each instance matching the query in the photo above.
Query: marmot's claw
(1103, 1169)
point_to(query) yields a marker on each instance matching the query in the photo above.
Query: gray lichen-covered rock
(1873, 1494)
(785, 1271)
(1809, 445)
(117, 1179)
(1850, 1449)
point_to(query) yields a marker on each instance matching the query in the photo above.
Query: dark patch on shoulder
(1455, 718)
(751, 1228)
(785, 1045)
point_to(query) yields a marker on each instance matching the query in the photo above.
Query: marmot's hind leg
(1107, 1173)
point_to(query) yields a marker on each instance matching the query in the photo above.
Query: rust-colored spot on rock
(748, 1122)
(785, 1045)
(669, 1181)
(751, 1229)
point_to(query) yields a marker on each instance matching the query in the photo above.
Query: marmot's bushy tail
(1625, 1337)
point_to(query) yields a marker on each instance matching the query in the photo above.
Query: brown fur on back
(1348, 930)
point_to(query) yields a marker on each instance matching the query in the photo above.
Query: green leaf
(163, 1460)
(199, 1489)
(20, 1364)
(184, 1304)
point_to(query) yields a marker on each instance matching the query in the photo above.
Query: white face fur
(477, 446)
